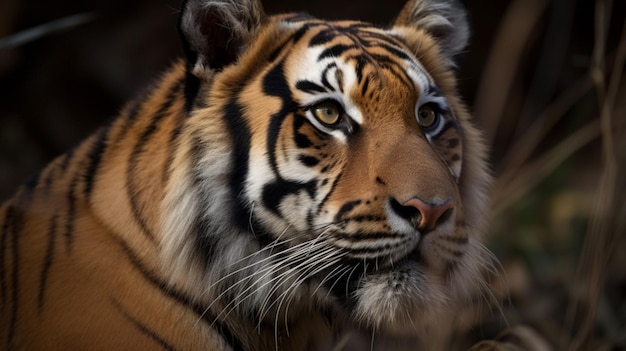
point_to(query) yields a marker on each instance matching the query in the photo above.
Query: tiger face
(362, 158)
(332, 163)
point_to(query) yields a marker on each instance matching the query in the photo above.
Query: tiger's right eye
(427, 116)
(327, 112)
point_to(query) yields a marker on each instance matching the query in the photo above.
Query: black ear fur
(215, 32)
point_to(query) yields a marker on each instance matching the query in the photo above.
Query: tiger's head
(329, 162)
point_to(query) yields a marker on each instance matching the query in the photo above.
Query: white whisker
(276, 281)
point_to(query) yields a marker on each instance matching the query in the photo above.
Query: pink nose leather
(429, 213)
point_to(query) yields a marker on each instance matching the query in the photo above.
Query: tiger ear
(445, 20)
(215, 32)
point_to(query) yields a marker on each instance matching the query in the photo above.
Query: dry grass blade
(598, 248)
(45, 29)
(506, 194)
(502, 65)
(525, 145)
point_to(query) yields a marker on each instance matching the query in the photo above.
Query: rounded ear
(445, 20)
(215, 32)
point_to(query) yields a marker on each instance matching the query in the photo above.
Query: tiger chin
(292, 184)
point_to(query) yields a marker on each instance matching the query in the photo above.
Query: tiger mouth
(389, 262)
(407, 248)
(413, 256)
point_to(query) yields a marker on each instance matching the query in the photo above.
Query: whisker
(294, 270)
(254, 254)
(277, 280)
(290, 292)
(251, 265)
(265, 271)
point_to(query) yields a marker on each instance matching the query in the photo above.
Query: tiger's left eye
(427, 116)
(327, 112)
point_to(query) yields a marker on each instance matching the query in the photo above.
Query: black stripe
(310, 87)
(274, 193)
(190, 90)
(66, 160)
(302, 140)
(361, 62)
(172, 146)
(71, 214)
(447, 125)
(330, 192)
(365, 86)
(47, 264)
(362, 236)
(126, 125)
(292, 39)
(398, 72)
(133, 113)
(16, 221)
(240, 134)
(32, 182)
(3, 254)
(50, 176)
(395, 51)
(207, 237)
(345, 208)
(335, 51)
(374, 253)
(143, 328)
(325, 81)
(138, 150)
(455, 240)
(388, 38)
(94, 157)
(432, 90)
(452, 143)
(309, 161)
(170, 291)
(364, 218)
(323, 37)
(275, 84)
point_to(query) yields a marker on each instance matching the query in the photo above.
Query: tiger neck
(140, 143)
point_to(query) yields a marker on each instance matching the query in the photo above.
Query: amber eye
(327, 112)
(426, 116)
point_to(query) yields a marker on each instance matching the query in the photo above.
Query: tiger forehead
(343, 38)
(349, 56)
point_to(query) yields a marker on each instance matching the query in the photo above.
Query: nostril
(425, 216)
(407, 212)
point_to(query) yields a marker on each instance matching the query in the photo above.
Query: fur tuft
(445, 20)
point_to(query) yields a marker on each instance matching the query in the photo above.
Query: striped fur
(218, 209)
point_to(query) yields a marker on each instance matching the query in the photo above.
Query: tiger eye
(327, 112)
(426, 116)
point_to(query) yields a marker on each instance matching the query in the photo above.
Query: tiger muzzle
(424, 216)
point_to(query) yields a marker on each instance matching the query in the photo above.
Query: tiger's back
(288, 167)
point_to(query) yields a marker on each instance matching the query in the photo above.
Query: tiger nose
(425, 216)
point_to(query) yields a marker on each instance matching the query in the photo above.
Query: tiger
(291, 183)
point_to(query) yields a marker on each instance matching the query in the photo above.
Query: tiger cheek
(450, 146)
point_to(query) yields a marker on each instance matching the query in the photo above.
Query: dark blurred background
(543, 78)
